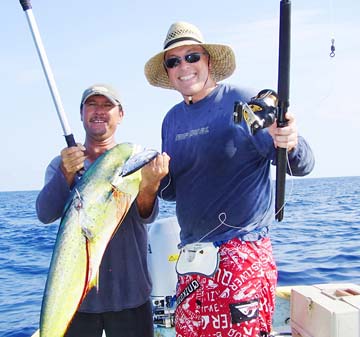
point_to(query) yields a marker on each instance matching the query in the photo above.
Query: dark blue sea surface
(318, 241)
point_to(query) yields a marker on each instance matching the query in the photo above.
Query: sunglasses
(174, 61)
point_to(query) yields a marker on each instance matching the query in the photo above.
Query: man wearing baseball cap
(219, 176)
(120, 304)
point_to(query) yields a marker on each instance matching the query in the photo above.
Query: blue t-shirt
(219, 172)
(124, 280)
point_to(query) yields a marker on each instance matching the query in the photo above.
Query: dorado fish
(95, 210)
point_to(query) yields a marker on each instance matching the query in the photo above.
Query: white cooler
(325, 310)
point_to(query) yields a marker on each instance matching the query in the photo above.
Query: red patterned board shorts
(238, 301)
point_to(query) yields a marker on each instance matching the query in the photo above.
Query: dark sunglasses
(174, 61)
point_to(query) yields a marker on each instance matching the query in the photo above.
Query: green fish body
(95, 210)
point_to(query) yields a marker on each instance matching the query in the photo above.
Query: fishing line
(167, 185)
(292, 184)
(222, 215)
(174, 233)
(222, 222)
(331, 71)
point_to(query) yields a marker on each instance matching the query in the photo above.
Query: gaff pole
(283, 102)
(26, 5)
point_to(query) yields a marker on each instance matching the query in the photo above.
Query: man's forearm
(145, 200)
(52, 198)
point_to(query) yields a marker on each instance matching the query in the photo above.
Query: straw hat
(222, 57)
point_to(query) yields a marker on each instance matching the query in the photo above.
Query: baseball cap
(101, 89)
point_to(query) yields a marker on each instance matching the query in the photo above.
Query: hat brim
(222, 59)
(100, 93)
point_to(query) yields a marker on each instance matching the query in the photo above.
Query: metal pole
(26, 5)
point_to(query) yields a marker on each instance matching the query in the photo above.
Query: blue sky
(109, 41)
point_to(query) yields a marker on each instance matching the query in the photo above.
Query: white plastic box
(325, 310)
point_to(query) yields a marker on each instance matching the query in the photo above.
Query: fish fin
(121, 199)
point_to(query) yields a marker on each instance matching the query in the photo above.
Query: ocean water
(318, 241)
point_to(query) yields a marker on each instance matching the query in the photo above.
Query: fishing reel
(164, 311)
(259, 113)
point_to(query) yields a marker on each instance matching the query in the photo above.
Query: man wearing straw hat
(219, 176)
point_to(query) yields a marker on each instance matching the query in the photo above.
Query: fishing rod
(262, 110)
(26, 5)
(283, 102)
(137, 162)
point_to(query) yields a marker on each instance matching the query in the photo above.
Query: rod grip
(70, 140)
(280, 183)
(25, 4)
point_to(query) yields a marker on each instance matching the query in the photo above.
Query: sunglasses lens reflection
(173, 62)
(192, 58)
